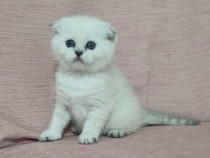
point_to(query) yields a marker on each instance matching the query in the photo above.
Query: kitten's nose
(78, 53)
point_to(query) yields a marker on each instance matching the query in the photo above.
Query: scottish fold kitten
(90, 91)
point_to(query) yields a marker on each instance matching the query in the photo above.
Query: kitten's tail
(158, 118)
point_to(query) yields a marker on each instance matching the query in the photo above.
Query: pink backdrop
(164, 50)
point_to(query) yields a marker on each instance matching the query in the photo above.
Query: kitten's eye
(90, 45)
(70, 43)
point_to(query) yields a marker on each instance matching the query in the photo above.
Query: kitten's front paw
(87, 139)
(48, 136)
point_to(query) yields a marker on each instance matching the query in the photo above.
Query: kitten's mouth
(77, 59)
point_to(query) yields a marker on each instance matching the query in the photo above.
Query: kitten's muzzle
(78, 53)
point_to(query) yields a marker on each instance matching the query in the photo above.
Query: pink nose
(78, 53)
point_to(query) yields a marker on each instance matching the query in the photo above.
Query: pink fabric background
(163, 49)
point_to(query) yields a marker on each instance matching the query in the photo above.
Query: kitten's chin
(79, 65)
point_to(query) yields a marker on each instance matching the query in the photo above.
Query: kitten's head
(83, 43)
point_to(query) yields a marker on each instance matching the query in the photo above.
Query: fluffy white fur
(92, 92)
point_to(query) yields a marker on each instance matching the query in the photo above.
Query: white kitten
(90, 90)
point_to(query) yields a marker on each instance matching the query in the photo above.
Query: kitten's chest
(78, 92)
(75, 86)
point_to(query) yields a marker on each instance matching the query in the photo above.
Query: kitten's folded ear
(111, 33)
(56, 27)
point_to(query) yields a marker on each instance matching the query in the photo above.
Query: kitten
(90, 91)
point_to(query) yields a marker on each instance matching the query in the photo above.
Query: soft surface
(150, 142)
(163, 49)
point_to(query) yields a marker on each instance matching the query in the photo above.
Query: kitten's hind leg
(118, 132)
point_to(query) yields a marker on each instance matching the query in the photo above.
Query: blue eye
(91, 45)
(70, 43)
